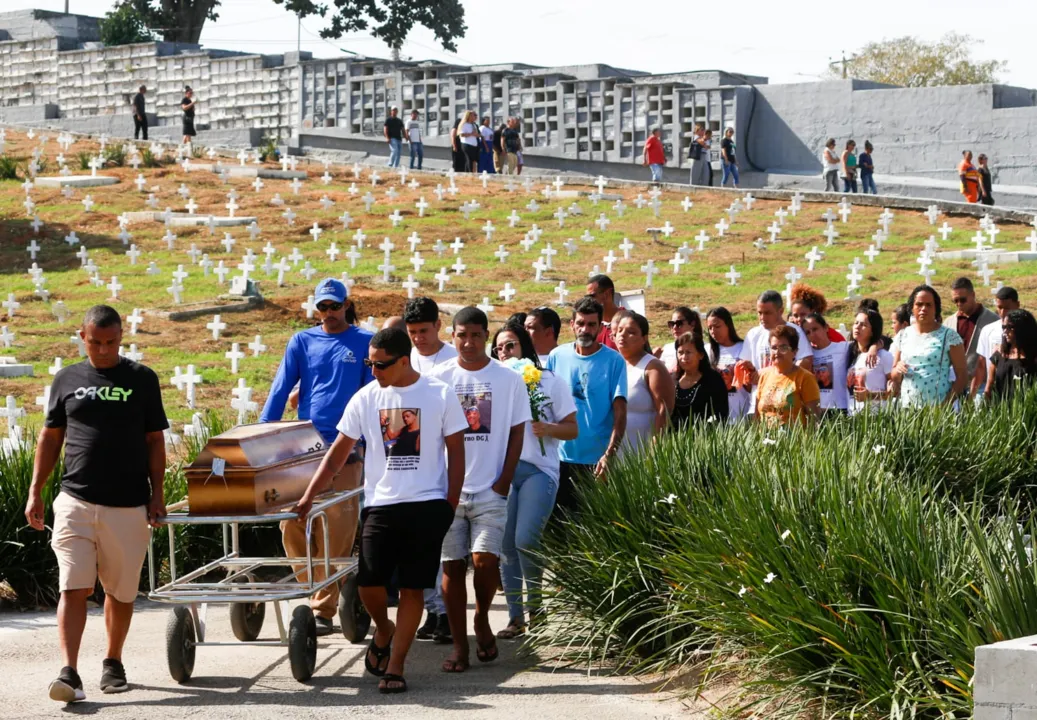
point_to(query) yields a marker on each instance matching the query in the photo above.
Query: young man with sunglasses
(327, 363)
(497, 408)
(415, 467)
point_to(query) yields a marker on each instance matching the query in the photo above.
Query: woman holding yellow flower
(535, 484)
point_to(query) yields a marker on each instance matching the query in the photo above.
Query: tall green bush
(846, 570)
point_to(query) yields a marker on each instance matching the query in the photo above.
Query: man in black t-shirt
(107, 412)
(140, 118)
(394, 136)
(187, 105)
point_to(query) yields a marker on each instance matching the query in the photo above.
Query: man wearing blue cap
(327, 361)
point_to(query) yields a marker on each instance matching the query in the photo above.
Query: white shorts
(478, 525)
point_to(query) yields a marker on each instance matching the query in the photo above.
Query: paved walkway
(256, 683)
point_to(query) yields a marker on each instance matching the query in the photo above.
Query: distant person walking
(140, 118)
(511, 142)
(393, 131)
(699, 157)
(849, 167)
(187, 106)
(830, 165)
(707, 154)
(867, 166)
(470, 137)
(985, 181)
(728, 158)
(971, 187)
(486, 147)
(654, 156)
(414, 137)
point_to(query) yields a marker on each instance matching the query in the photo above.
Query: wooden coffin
(265, 467)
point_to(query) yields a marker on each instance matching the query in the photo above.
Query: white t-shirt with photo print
(409, 464)
(494, 400)
(830, 370)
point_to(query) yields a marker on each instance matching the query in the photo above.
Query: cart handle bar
(319, 506)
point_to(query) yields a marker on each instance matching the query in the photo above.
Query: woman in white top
(470, 139)
(868, 382)
(724, 347)
(683, 320)
(831, 164)
(650, 388)
(535, 483)
(829, 364)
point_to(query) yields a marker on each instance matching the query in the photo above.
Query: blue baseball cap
(330, 289)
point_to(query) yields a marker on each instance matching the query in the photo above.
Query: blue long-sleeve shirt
(329, 369)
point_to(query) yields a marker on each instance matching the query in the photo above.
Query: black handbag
(695, 153)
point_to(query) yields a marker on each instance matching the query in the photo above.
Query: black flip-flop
(383, 684)
(380, 653)
(487, 653)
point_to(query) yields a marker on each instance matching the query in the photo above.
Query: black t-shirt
(985, 179)
(727, 146)
(511, 140)
(106, 414)
(395, 127)
(188, 112)
(138, 104)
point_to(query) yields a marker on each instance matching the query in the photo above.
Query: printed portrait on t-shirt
(728, 373)
(478, 409)
(401, 431)
(824, 373)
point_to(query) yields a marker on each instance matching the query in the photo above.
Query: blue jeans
(394, 151)
(530, 503)
(434, 596)
(868, 181)
(417, 150)
(850, 184)
(657, 172)
(730, 170)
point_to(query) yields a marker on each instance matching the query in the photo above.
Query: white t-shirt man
(756, 348)
(561, 406)
(830, 371)
(414, 131)
(424, 364)
(494, 400)
(989, 340)
(409, 464)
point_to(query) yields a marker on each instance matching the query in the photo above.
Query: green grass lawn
(165, 344)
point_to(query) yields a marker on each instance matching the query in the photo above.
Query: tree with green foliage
(910, 62)
(125, 24)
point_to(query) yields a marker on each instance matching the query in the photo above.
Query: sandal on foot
(383, 684)
(487, 653)
(380, 654)
(514, 629)
(452, 665)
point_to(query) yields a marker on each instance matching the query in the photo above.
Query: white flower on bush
(669, 499)
(743, 591)
(769, 441)
(786, 534)
(878, 449)
(770, 578)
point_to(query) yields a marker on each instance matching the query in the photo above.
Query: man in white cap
(327, 361)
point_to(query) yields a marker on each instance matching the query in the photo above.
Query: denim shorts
(478, 525)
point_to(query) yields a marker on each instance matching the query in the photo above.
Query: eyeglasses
(381, 364)
(675, 324)
(781, 348)
(330, 306)
(507, 347)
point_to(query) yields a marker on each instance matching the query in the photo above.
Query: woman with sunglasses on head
(723, 347)
(868, 383)
(327, 361)
(1013, 366)
(535, 484)
(650, 389)
(682, 320)
(700, 390)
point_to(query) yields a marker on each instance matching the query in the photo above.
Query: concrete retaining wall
(1005, 683)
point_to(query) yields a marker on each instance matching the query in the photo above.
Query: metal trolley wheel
(180, 643)
(352, 617)
(246, 620)
(302, 643)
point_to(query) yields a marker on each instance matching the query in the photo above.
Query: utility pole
(843, 62)
(298, 34)
(66, 7)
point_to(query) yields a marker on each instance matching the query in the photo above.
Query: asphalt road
(255, 683)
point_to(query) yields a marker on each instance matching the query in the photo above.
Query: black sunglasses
(675, 323)
(381, 364)
(330, 306)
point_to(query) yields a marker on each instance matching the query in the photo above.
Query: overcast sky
(793, 44)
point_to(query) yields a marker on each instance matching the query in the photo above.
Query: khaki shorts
(511, 161)
(92, 541)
